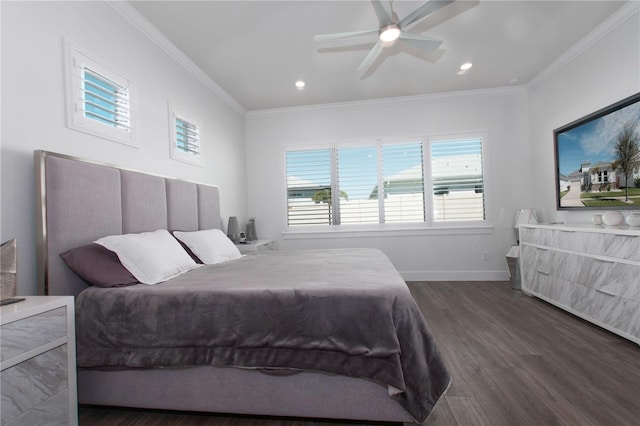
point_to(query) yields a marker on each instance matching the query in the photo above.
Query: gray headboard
(79, 201)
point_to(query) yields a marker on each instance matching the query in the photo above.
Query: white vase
(633, 219)
(612, 218)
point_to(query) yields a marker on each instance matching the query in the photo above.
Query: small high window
(185, 137)
(99, 99)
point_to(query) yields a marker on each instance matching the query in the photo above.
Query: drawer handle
(604, 260)
(605, 292)
(542, 272)
(566, 230)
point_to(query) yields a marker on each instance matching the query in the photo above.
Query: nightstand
(255, 246)
(37, 362)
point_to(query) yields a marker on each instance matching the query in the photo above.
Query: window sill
(397, 232)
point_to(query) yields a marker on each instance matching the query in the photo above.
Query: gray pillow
(98, 266)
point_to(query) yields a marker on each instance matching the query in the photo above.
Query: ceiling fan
(391, 29)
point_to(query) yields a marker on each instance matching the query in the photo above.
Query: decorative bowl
(633, 219)
(612, 218)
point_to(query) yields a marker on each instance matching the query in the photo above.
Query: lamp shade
(233, 229)
(524, 216)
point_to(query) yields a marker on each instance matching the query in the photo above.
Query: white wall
(598, 71)
(500, 113)
(606, 72)
(33, 105)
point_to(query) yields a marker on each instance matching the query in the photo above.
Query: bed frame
(79, 201)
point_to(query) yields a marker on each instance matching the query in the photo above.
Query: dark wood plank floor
(514, 360)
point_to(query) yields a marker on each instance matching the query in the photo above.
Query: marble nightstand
(255, 246)
(37, 362)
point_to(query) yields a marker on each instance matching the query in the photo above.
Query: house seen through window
(423, 181)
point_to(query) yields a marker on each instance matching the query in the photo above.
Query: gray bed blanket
(344, 311)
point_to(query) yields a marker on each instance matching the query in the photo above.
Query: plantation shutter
(309, 187)
(357, 182)
(403, 182)
(458, 183)
(187, 137)
(105, 101)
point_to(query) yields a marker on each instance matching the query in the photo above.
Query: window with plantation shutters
(356, 179)
(403, 182)
(105, 101)
(309, 190)
(458, 180)
(424, 181)
(185, 136)
(99, 99)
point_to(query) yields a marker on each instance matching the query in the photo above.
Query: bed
(319, 333)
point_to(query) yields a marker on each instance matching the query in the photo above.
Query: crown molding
(143, 25)
(620, 16)
(387, 102)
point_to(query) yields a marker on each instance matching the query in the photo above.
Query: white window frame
(428, 227)
(76, 60)
(175, 113)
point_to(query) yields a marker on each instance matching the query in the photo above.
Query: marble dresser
(589, 270)
(37, 362)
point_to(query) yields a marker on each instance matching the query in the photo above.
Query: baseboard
(455, 275)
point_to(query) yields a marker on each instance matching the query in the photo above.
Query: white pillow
(210, 246)
(151, 257)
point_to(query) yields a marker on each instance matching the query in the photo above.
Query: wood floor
(514, 360)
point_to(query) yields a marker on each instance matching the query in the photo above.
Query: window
(184, 136)
(309, 197)
(100, 100)
(458, 180)
(423, 181)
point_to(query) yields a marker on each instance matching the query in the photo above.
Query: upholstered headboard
(79, 201)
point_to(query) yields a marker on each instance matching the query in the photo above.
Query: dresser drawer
(25, 334)
(34, 382)
(620, 246)
(615, 312)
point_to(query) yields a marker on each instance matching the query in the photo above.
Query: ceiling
(256, 50)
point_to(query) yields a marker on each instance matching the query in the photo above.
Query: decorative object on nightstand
(256, 246)
(37, 362)
(524, 216)
(9, 272)
(251, 230)
(233, 229)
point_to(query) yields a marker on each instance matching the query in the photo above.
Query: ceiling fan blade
(339, 36)
(424, 10)
(424, 43)
(383, 11)
(373, 54)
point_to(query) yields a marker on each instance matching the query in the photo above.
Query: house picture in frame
(590, 173)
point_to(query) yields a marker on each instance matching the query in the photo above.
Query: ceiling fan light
(389, 33)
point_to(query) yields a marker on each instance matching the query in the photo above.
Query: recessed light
(300, 84)
(466, 66)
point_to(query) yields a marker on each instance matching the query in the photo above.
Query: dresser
(589, 270)
(37, 362)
